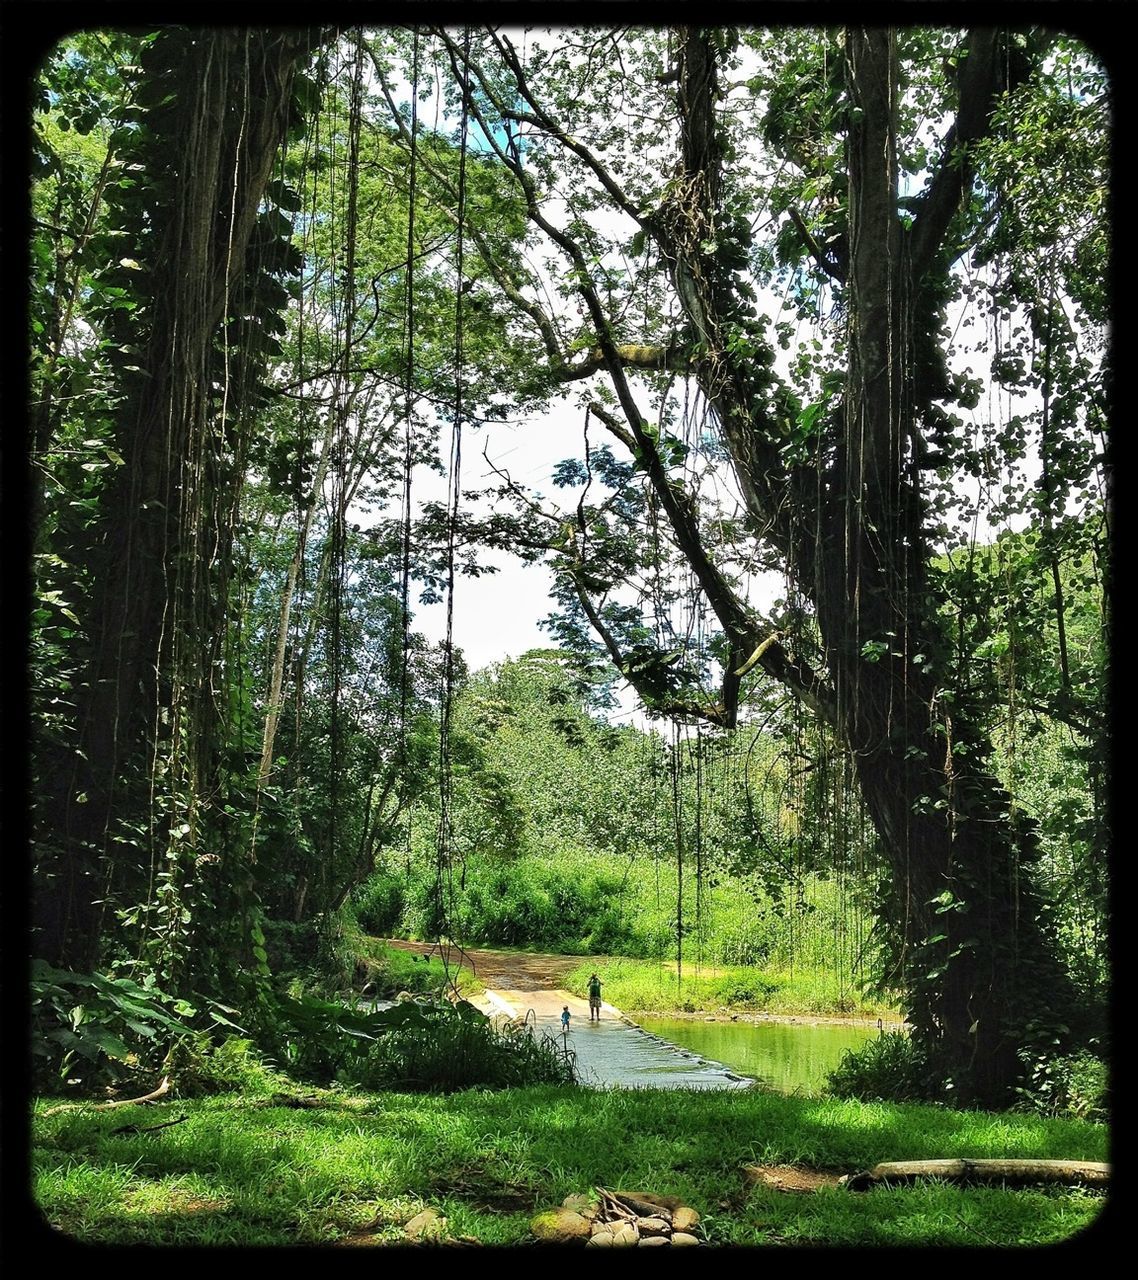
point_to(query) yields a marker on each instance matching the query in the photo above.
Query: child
(565, 1018)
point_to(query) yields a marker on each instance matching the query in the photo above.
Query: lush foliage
(870, 621)
(428, 1044)
(89, 1028)
(886, 1069)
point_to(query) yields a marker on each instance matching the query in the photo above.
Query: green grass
(640, 986)
(235, 1172)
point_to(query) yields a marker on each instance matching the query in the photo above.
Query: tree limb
(632, 356)
(981, 79)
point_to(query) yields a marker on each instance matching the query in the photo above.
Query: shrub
(1075, 1085)
(459, 1048)
(199, 1065)
(417, 1045)
(294, 948)
(106, 1027)
(887, 1069)
(379, 905)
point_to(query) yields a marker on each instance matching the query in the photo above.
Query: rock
(586, 1206)
(625, 1236)
(428, 1224)
(645, 1241)
(684, 1218)
(653, 1227)
(682, 1237)
(601, 1237)
(560, 1226)
(709, 1018)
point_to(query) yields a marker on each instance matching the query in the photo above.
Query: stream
(785, 1055)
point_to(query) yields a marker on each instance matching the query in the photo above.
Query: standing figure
(565, 1018)
(594, 999)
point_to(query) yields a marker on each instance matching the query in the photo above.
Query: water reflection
(790, 1057)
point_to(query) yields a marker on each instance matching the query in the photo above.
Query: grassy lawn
(247, 1170)
(652, 985)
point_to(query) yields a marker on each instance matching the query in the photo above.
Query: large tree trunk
(970, 950)
(162, 533)
(972, 957)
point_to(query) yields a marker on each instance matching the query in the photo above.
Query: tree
(182, 321)
(837, 480)
(206, 443)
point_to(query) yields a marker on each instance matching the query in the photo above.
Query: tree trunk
(158, 568)
(970, 949)
(971, 953)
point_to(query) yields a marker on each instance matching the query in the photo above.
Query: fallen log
(641, 1202)
(164, 1087)
(1070, 1173)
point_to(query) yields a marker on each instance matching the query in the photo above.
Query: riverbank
(866, 1021)
(655, 986)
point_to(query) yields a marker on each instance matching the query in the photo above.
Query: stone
(625, 1236)
(560, 1226)
(682, 1237)
(646, 1241)
(684, 1218)
(601, 1237)
(653, 1227)
(426, 1225)
(586, 1206)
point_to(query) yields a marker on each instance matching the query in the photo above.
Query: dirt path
(514, 970)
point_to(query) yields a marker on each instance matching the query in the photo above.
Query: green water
(790, 1057)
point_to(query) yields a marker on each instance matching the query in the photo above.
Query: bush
(294, 948)
(888, 1069)
(744, 992)
(105, 1027)
(460, 1049)
(379, 905)
(199, 1065)
(1076, 1085)
(417, 1045)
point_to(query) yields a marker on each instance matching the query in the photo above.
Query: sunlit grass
(362, 1165)
(656, 986)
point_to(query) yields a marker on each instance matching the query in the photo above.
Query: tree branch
(981, 78)
(632, 356)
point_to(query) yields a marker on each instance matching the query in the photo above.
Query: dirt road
(515, 981)
(520, 971)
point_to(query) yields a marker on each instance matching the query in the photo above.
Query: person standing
(594, 999)
(565, 1019)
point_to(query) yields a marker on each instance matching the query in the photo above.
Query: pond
(790, 1057)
